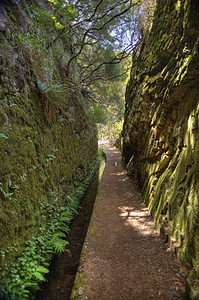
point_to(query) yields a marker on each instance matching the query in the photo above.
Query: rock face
(161, 127)
(48, 144)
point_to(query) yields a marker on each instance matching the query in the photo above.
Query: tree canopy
(100, 36)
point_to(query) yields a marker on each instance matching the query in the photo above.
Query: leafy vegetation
(104, 34)
(98, 37)
(21, 279)
(110, 131)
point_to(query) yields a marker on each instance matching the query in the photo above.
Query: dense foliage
(100, 36)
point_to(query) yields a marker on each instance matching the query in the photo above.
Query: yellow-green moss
(162, 135)
(48, 143)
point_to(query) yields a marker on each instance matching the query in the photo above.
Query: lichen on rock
(48, 143)
(160, 133)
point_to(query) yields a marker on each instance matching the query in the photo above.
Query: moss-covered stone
(48, 143)
(160, 133)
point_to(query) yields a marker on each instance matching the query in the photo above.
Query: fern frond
(42, 269)
(33, 285)
(65, 219)
(63, 227)
(66, 215)
(38, 276)
(58, 244)
(58, 235)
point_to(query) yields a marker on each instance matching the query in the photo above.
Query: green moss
(48, 144)
(163, 95)
(79, 286)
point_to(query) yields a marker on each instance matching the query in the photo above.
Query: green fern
(33, 285)
(58, 235)
(67, 215)
(42, 269)
(57, 243)
(38, 276)
(60, 246)
(65, 218)
(63, 227)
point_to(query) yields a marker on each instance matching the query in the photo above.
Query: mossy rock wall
(161, 127)
(48, 143)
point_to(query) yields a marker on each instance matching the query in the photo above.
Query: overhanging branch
(93, 29)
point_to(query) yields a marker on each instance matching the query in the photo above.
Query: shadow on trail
(151, 270)
(133, 262)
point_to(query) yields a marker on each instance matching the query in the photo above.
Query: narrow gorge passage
(123, 256)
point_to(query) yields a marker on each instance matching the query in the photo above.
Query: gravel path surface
(123, 255)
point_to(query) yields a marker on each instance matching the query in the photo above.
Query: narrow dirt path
(123, 256)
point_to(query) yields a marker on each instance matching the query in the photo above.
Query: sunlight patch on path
(140, 220)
